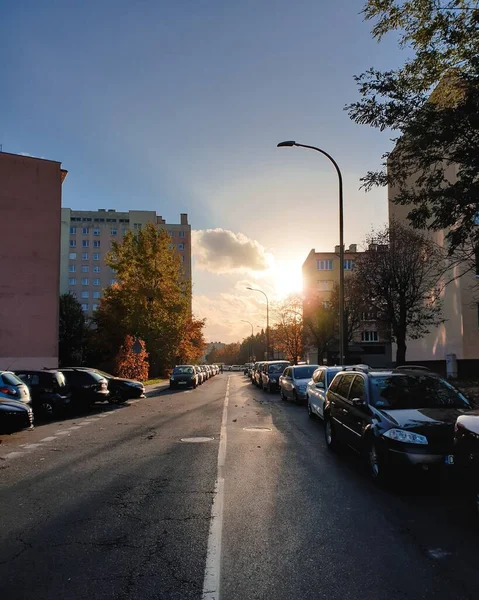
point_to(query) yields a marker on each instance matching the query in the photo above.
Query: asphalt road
(115, 505)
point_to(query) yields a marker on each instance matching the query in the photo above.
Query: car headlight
(408, 437)
(172, 378)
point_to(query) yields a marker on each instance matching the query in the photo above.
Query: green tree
(72, 331)
(435, 130)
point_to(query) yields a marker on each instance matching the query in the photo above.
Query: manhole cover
(197, 440)
(257, 428)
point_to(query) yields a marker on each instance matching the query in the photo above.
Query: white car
(317, 388)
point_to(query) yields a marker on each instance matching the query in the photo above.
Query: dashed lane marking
(29, 446)
(13, 454)
(48, 439)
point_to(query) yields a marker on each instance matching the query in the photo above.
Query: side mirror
(358, 402)
(320, 385)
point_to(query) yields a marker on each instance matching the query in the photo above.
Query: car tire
(310, 410)
(330, 434)
(281, 394)
(48, 410)
(115, 398)
(194, 385)
(295, 397)
(377, 467)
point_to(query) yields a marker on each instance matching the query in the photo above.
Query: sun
(287, 278)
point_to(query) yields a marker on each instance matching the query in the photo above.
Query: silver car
(317, 388)
(13, 388)
(293, 382)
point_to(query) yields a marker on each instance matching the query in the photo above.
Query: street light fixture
(290, 144)
(267, 318)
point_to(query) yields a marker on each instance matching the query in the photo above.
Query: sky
(177, 106)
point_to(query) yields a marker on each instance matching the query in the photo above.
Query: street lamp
(290, 144)
(267, 318)
(251, 343)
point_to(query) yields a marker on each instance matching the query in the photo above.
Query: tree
(288, 331)
(401, 273)
(72, 331)
(131, 364)
(151, 300)
(193, 343)
(321, 328)
(436, 130)
(229, 354)
(354, 306)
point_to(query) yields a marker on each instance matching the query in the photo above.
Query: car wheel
(281, 394)
(310, 410)
(115, 398)
(48, 409)
(376, 466)
(194, 385)
(295, 397)
(330, 434)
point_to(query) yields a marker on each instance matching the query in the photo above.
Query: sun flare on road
(287, 277)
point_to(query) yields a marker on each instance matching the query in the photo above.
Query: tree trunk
(401, 350)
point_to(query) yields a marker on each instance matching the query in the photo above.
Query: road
(115, 505)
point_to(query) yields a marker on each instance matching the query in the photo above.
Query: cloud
(223, 251)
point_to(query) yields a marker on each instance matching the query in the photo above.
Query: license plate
(449, 459)
(181, 382)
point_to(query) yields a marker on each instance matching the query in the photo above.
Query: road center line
(211, 582)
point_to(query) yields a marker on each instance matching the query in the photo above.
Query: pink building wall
(30, 215)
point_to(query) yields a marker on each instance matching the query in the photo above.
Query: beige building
(87, 237)
(320, 275)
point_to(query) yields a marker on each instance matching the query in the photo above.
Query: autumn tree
(229, 354)
(289, 329)
(132, 363)
(72, 331)
(401, 275)
(193, 343)
(438, 132)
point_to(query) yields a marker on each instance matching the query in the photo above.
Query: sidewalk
(157, 388)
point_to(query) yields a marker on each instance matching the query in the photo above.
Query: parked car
(87, 387)
(394, 418)
(201, 374)
(252, 370)
(293, 382)
(317, 388)
(257, 373)
(246, 368)
(466, 456)
(270, 374)
(48, 390)
(120, 388)
(15, 403)
(184, 376)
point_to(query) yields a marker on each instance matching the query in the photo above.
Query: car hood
(13, 406)
(124, 380)
(422, 418)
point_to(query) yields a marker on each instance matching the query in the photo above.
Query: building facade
(30, 204)
(370, 343)
(87, 237)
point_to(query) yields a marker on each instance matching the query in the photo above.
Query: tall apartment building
(87, 238)
(30, 205)
(320, 275)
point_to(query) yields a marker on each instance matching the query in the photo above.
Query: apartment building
(30, 205)
(87, 238)
(320, 275)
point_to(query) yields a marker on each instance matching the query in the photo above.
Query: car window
(35, 379)
(344, 385)
(321, 376)
(11, 379)
(183, 370)
(276, 368)
(303, 372)
(287, 372)
(358, 388)
(316, 376)
(335, 383)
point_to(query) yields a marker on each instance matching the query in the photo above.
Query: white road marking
(73, 427)
(29, 446)
(13, 454)
(48, 439)
(211, 582)
(62, 433)
(85, 423)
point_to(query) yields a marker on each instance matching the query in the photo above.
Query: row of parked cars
(29, 394)
(192, 375)
(396, 418)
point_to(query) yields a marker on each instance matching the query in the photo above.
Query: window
(344, 385)
(99, 220)
(96, 294)
(96, 281)
(73, 230)
(348, 264)
(96, 231)
(333, 386)
(171, 233)
(137, 226)
(181, 233)
(85, 306)
(85, 230)
(96, 243)
(358, 389)
(325, 285)
(84, 256)
(182, 258)
(72, 281)
(74, 294)
(171, 246)
(124, 231)
(113, 281)
(324, 265)
(95, 306)
(96, 269)
(87, 219)
(72, 268)
(85, 243)
(73, 243)
(124, 220)
(369, 336)
(85, 294)
(85, 281)
(113, 232)
(96, 256)
(72, 256)
(181, 246)
(111, 220)
(85, 268)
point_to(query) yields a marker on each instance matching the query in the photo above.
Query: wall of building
(30, 205)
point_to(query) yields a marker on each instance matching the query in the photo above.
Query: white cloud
(223, 251)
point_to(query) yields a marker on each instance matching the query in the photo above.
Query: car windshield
(183, 370)
(277, 368)
(305, 372)
(410, 391)
(11, 379)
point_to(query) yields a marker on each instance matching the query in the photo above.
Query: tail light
(8, 391)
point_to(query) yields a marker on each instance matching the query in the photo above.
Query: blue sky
(177, 106)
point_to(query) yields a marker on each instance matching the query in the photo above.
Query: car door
(357, 414)
(313, 391)
(286, 383)
(340, 406)
(320, 393)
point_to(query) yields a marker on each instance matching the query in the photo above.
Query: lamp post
(251, 343)
(267, 318)
(290, 144)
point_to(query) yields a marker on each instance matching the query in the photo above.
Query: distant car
(394, 418)
(317, 388)
(15, 403)
(87, 387)
(294, 381)
(466, 456)
(200, 373)
(272, 371)
(48, 390)
(184, 376)
(120, 388)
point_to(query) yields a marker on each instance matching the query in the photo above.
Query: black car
(271, 373)
(394, 418)
(48, 390)
(86, 387)
(14, 415)
(466, 455)
(184, 376)
(120, 388)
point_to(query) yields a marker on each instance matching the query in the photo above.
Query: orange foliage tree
(193, 343)
(131, 364)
